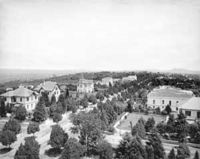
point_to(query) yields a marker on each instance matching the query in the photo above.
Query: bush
(57, 117)
(33, 127)
(12, 125)
(21, 113)
(7, 137)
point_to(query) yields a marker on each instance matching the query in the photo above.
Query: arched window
(170, 102)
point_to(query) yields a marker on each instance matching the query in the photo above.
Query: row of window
(188, 113)
(29, 106)
(163, 102)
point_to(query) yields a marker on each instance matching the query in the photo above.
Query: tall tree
(40, 113)
(149, 124)
(53, 99)
(58, 137)
(30, 150)
(183, 151)
(2, 108)
(150, 151)
(20, 113)
(72, 150)
(172, 154)
(196, 156)
(12, 125)
(105, 150)
(7, 137)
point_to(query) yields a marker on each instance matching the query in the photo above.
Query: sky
(100, 34)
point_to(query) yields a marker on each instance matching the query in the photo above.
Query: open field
(42, 136)
(134, 117)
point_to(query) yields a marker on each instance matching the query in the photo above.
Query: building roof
(192, 104)
(47, 86)
(170, 92)
(85, 81)
(19, 92)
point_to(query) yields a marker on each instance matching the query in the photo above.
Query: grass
(134, 117)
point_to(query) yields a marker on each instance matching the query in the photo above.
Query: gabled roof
(19, 92)
(170, 92)
(192, 104)
(47, 86)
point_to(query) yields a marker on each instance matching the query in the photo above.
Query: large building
(50, 87)
(21, 96)
(165, 95)
(129, 78)
(85, 86)
(192, 108)
(107, 81)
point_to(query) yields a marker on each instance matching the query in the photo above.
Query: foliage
(92, 99)
(40, 113)
(12, 125)
(57, 117)
(21, 113)
(53, 99)
(104, 150)
(30, 150)
(129, 107)
(84, 102)
(139, 129)
(7, 137)
(196, 156)
(33, 127)
(183, 151)
(100, 96)
(45, 98)
(149, 124)
(156, 143)
(150, 151)
(58, 137)
(2, 108)
(172, 154)
(72, 150)
(194, 132)
(168, 109)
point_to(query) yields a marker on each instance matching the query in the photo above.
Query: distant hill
(184, 71)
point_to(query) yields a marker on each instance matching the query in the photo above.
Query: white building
(107, 80)
(50, 87)
(165, 95)
(192, 108)
(129, 78)
(21, 96)
(85, 86)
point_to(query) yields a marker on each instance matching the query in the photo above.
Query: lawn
(134, 117)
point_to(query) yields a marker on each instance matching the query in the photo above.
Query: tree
(58, 137)
(53, 99)
(159, 152)
(196, 156)
(72, 150)
(92, 99)
(29, 150)
(12, 125)
(40, 113)
(105, 150)
(21, 113)
(2, 108)
(149, 124)
(45, 99)
(33, 127)
(129, 107)
(172, 154)
(183, 151)
(7, 137)
(84, 102)
(139, 129)
(57, 117)
(168, 109)
(150, 151)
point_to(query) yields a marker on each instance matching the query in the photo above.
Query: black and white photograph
(99, 79)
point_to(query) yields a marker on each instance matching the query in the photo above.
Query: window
(170, 102)
(154, 102)
(198, 115)
(27, 98)
(188, 113)
(163, 102)
(20, 99)
(177, 102)
(177, 108)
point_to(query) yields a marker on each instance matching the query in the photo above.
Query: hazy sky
(100, 34)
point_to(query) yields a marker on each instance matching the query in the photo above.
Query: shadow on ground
(53, 152)
(5, 150)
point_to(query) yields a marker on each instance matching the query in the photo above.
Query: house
(192, 108)
(166, 95)
(107, 81)
(50, 87)
(129, 78)
(85, 86)
(21, 96)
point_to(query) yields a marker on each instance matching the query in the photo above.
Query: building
(129, 78)
(192, 108)
(107, 81)
(50, 87)
(85, 86)
(21, 96)
(166, 95)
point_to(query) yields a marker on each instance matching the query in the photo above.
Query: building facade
(192, 108)
(21, 96)
(165, 95)
(50, 87)
(85, 86)
(107, 81)
(129, 78)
